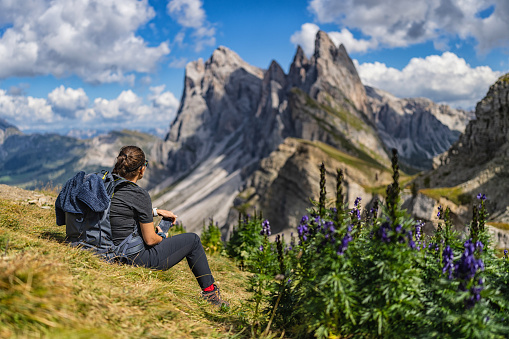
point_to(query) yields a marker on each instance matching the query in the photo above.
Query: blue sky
(110, 64)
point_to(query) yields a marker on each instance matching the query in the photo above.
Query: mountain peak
(324, 46)
(276, 71)
(300, 57)
(334, 71)
(223, 56)
(7, 129)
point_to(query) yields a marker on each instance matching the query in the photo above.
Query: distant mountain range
(247, 139)
(35, 160)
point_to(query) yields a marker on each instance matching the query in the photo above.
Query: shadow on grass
(232, 318)
(57, 236)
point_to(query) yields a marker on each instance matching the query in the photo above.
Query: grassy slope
(51, 290)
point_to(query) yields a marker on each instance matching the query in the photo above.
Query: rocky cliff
(417, 127)
(477, 162)
(290, 176)
(232, 115)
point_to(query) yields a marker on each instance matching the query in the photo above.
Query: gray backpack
(92, 230)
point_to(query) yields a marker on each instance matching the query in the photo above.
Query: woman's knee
(195, 237)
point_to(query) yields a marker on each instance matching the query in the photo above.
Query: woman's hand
(159, 230)
(166, 214)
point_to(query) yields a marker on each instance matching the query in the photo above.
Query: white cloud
(93, 39)
(190, 14)
(67, 108)
(352, 45)
(129, 110)
(442, 78)
(26, 111)
(126, 106)
(163, 101)
(307, 35)
(68, 101)
(398, 23)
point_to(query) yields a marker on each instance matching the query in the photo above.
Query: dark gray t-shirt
(130, 205)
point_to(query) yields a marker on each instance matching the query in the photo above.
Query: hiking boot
(214, 297)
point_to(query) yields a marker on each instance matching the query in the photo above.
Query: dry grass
(454, 194)
(499, 225)
(48, 289)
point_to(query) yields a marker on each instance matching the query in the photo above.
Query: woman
(131, 206)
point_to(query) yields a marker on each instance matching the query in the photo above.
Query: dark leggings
(171, 251)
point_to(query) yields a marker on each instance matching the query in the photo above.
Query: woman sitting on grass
(131, 205)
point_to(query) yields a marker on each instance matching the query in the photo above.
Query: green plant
(211, 238)
(245, 239)
(374, 274)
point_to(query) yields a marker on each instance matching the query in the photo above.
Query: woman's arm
(150, 237)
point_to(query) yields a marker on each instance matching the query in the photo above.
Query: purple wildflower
(302, 229)
(260, 248)
(357, 201)
(479, 246)
(476, 295)
(344, 243)
(418, 229)
(468, 265)
(356, 212)
(447, 259)
(265, 228)
(382, 232)
(481, 196)
(411, 243)
(328, 227)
